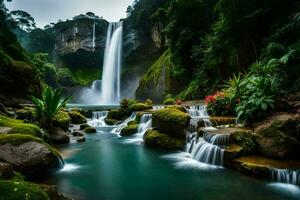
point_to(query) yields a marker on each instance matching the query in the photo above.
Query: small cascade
(94, 37)
(217, 139)
(98, 119)
(286, 176)
(119, 128)
(206, 149)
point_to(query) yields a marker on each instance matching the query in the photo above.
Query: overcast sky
(46, 11)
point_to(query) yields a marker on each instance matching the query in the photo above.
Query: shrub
(219, 104)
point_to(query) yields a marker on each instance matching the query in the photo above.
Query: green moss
(139, 107)
(169, 101)
(90, 130)
(129, 130)
(19, 127)
(118, 114)
(180, 108)
(134, 122)
(27, 113)
(84, 126)
(20, 190)
(62, 120)
(156, 139)
(76, 117)
(246, 140)
(86, 76)
(170, 121)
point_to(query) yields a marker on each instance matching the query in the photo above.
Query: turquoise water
(107, 167)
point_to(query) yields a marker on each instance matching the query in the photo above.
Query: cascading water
(119, 128)
(110, 87)
(145, 124)
(217, 139)
(206, 151)
(94, 37)
(98, 119)
(286, 176)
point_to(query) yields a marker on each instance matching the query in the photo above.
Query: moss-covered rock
(129, 130)
(279, 136)
(169, 101)
(246, 140)
(77, 118)
(90, 130)
(27, 113)
(27, 153)
(19, 127)
(181, 108)
(58, 136)
(154, 138)
(62, 120)
(134, 122)
(110, 122)
(171, 121)
(139, 107)
(83, 126)
(20, 190)
(118, 114)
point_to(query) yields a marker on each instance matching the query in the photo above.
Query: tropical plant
(49, 105)
(233, 86)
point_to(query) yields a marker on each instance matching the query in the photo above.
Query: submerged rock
(171, 121)
(27, 153)
(279, 136)
(154, 138)
(77, 118)
(129, 130)
(81, 139)
(90, 130)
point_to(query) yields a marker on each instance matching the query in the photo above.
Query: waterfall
(286, 176)
(204, 149)
(110, 92)
(94, 37)
(119, 128)
(98, 119)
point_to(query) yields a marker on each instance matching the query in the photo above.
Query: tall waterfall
(94, 37)
(110, 90)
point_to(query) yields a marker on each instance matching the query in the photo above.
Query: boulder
(129, 130)
(77, 134)
(119, 114)
(154, 138)
(81, 139)
(62, 120)
(279, 136)
(28, 154)
(83, 126)
(110, 122)
(27, 113)
(245, 139)
(6, 170)
(90, 130)
(77, 118)
(2, 109)
(171, 121)
(139, 107)
(58, 136)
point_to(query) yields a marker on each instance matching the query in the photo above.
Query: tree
(23, 21)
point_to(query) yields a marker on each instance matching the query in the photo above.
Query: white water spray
(110, 90)
(94, 37)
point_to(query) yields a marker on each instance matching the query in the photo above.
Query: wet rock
(279, 136)
(154, 138)
(77, 118)
(129, 130)
(83, 126)
(62, 120)
(90, 130)
(76, 134)
(81, 139)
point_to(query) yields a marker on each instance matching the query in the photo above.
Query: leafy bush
(219, 104)
(126, 103)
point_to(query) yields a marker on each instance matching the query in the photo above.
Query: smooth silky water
(107, 168)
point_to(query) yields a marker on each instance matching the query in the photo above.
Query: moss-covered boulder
(246, 140)
(118, 114)
(58, 136)
(90, 130)
(21, 190)
(129, 130)
(154, 138)
(171, 121)
(27, 153)
(139, 107)
(279, 136)
(76, 117)
(62, 120)
(110, 122)
(27, 113)
(13, 126)
(181, 108)
(83, 126)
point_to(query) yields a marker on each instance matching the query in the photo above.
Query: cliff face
(157, 35)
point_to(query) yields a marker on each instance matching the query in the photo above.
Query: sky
(46, 11)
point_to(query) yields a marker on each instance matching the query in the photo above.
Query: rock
(110, 122)
(245, 139)
(58, 136)
(2, 109)
(139, 107)
(28, 154)
(62, 120)
(81, 139)
(221, 121)
(118, 115)
(231, 152)
(181, 108)
(154, 138)
(129, 130)
(77, 134)
(90, 130)
(26, 114)
(171, 121)
(83, 126)
(279, 136)
(134, 122)
(77, 118)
